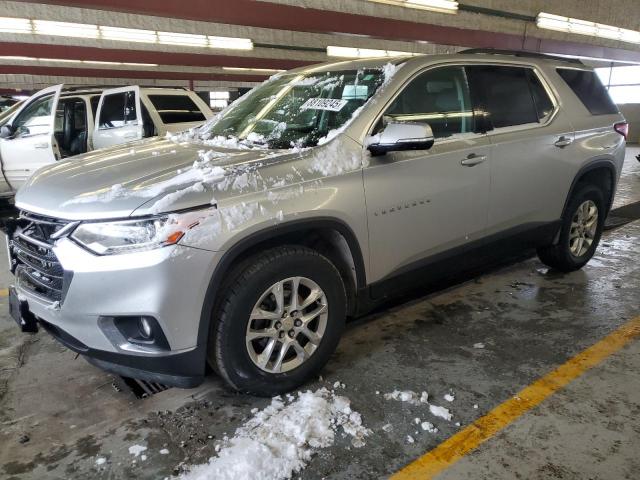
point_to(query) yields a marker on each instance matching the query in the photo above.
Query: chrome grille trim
(36, 266)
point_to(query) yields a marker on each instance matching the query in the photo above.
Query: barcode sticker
(331, 104)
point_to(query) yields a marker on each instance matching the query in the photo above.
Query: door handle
(473, 160)
(563, 142)
(41, 145)
(130, 135)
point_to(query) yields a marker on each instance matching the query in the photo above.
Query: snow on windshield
(294, 111)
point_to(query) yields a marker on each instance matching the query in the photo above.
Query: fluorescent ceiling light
(583, 27)
(15, 57)
(186, 39)
(230, 43)
(65, 29)
(257, 70)
(68, 60)
(128, 34)
(441, 6)
(15, 25)
(348, 52)
(102, 32)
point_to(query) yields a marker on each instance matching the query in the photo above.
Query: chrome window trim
(468, 63)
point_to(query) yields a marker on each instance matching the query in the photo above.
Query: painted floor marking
(454, 448)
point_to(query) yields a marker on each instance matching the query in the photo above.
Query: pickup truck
(57, 123)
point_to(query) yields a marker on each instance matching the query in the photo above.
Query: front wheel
(580, 232)
(280, 320)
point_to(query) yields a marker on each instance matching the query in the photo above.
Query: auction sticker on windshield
(331, 104)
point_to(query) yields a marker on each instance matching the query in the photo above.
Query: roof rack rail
(520, 53)
(75, 88)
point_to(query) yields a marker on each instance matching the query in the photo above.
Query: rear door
(531, 153)
(33, 144)
(119, 118)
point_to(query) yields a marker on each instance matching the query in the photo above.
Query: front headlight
(109, 238)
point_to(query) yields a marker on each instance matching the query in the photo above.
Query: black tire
(559, 256)
(227, 351)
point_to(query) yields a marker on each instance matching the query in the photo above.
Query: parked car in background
(6, 103)
(246, 243)
(57, 123)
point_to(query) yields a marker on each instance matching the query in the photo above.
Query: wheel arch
(602, 172)
(309, 232)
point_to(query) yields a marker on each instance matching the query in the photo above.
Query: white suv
(56, 123)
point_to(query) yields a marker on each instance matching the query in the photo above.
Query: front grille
(34, 263)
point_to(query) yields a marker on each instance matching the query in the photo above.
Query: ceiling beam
(143, 56)
(286, 17)
(139, 74)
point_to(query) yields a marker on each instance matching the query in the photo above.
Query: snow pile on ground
(136, 450)
(441, 412)
(478, 345)
(429, 427)
(413, 398)
(281, 439)
(407, 396)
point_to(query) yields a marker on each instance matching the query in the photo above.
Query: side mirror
(6, 131)
(402, 136)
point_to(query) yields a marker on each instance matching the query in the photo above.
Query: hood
(158, 174)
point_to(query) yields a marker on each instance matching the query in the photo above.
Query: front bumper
(168, 284)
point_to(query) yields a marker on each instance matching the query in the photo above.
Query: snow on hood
(159, 174)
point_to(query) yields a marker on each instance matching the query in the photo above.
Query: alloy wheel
(583, 228)
(287, 324)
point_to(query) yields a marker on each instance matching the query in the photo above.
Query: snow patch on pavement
(136, 450)
(441, 412)
(281, 439)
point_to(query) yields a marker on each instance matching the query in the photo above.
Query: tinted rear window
(588, 88)
(506, 93)
(176, 108)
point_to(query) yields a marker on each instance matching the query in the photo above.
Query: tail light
(622, 128)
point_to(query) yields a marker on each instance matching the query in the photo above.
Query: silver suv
(246, 243)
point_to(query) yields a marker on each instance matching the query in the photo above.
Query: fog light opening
(146, 331)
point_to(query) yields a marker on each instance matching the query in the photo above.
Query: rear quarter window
(589, 89)
(176, 108)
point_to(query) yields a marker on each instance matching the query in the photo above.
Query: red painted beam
(285, 17)
(143, 56)
(138, 74)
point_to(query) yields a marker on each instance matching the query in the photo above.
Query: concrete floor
(530, 320)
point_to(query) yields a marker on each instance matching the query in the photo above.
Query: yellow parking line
(4, 292)
(463, 442)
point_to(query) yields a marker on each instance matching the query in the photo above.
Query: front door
(119, 118)
(33, 144)
(421, 203)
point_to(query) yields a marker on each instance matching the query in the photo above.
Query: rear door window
(176, 108)
(589, 89)
(506, 94)
(118, 110)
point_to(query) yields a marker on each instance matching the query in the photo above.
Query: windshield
(6, 114)
(296, 110)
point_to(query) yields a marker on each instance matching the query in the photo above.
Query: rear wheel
(580, 233)
(280, 320)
